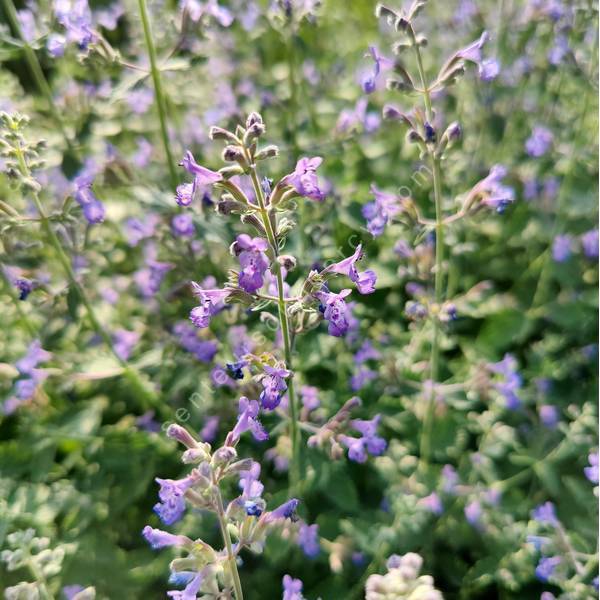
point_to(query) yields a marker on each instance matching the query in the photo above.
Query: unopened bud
(233, 154)
(182, 435)
(224, 455)
(218, 133)
(267, 152)
(287, 262)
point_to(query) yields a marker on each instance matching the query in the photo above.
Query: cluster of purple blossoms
(353, 119)
(274, 386)
(171, 507)
(369, 442)
(253, 261)
(510, 382)
(565, 244)
(381, 211)
(124, 341)
(304, 179)
(292, 588)
(539, 142)
(137, 230)
(203, 350)
(211, 302)
(308, 539)
(365, 282)
(247, 421)
(149, 278)
(93, 209)
(335, 310)
(182, 225)
(75, 17)
(29, 377)
(364, 374)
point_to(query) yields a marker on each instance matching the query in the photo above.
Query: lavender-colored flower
(494, 193)
(432, 503)
(285, 511)
(511, 381)
(140, 100)
(172, 501)
(352, 119)
(335, 311)
(292, 588)
(27, 24)
(369, 442)
(56, 45)
(209, 305)
(161, 539)
(191, 589)
(310, 397)
(141, 157)
(539, 142)
(137, 230)
(449, 479)
(489, 69)
(149, 279)
(365, 282)
(545, 513)
(308, 539)
(76, 17)
(93, 209)
(362, 377)
(184, 194)
(253, 261)
(202, 175)
(562, 247)
(210, 8)
(182, 225)
(123, 342)
(274, 386)
(546, 567)
(591, 472)
(473, 513)
(381, 211)
(304, 178)
(549, 415)
(209, 431)
(247, 421)
(35, 355)
(381, 64)
(70, 591)
(589, 243)
(366, 352)
(249, 482)
(561, 48)
(147, 422)
(472, 52)
(203, 350)
(108, 18)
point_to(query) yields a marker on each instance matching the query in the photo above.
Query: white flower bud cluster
(402, 581)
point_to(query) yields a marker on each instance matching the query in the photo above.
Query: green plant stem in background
(296, 462)
(425, 445)
(237, 584)
(36, 69)
(158, 90)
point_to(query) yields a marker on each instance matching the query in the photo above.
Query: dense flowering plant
(347, 265)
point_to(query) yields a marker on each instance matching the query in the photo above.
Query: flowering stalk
(439, 259)
(158, 90)
(296, 462)
(35, 68)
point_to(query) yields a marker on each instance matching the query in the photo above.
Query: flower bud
(231, 171)
(287, 262)
(218, 133)
(224, 455)
(227, 206)
(182, 435)
(267, 152)
(252, 119)
(233, 153)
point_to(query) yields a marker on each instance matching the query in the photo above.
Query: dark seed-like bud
(287, 262)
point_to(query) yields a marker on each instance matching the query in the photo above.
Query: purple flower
(381, 211)
(76, 18)
(432, 503)
(292, 588)
(362, 377)
(209, 299)
(562, 248)
(511, 381)
(560, 49)
(545, 513)
(147, 422)
(161, 539)
(473, 513)
(249, 483)
(366, 352)
(365, 282)
(191, 589)
(539, 142)
(549, 415)
(274, 386)
(308, 539)
(56, 44)
(140, 100)
(196, 10)
(286, 511)
(70, 591)
(589, 243)
(472, 52)
(149, 279)
(546, 567)
(35, 354)
(184, 194)
(202, 175)
(591, 472)
(253, 261)
(93, 209)
(335, 311)
(369, 443)
(380, 65)
(310, 397)
(449, 479)
(137, 230)
(209, 431)
(141, 158)
(182, 225)
(494, 193)
(247, 421)
(203, 350)
(489, 69)
(172, 501)
(304, 178)
(123, 342)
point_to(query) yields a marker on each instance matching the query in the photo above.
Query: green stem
(237, 584)
(295, 467)
(158, 90)
(35, 68)
(425, 446)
